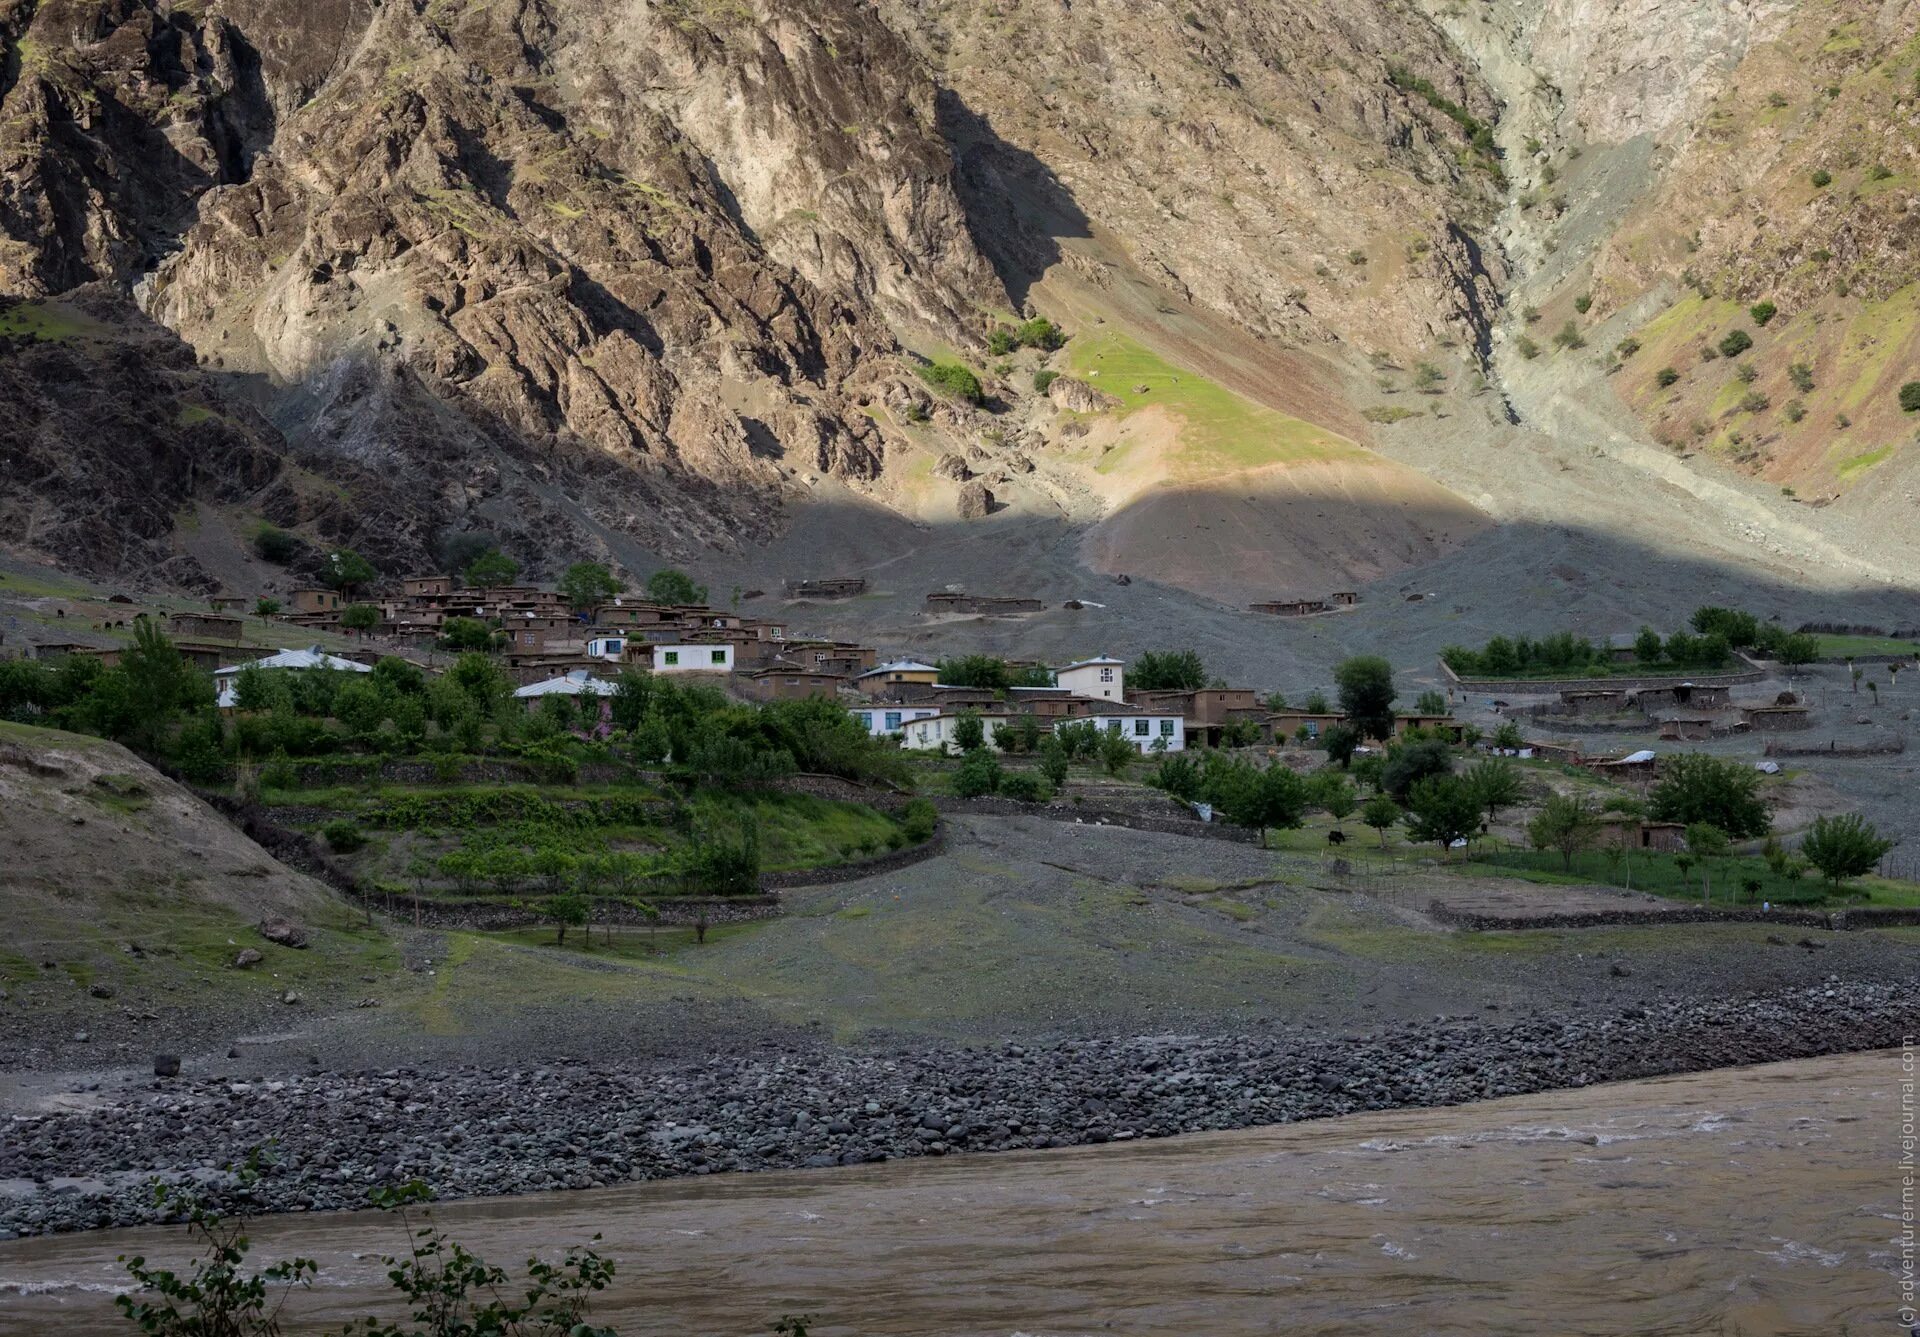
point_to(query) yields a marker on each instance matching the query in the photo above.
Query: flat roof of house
(575, 682)
(1098, 661)
(902, 666)
(300, 659)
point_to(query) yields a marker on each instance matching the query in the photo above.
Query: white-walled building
(292, 661)
(936, 732)
(574, 682)
(1100, 678)
(607, 647)
(1147, 729)
(705, 657)
(882, 720)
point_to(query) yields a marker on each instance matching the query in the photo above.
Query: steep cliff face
(544, 269)
(1309, 172)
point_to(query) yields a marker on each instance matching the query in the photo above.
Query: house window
(1106, 675)
(719, 656)
(1166, 728)
(1139, 728)
(866, 721)
(673, 656)
(1313, 728)
(893, 723)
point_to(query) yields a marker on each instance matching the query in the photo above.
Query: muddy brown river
(1756, 1201)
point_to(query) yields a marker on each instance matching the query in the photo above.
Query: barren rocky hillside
(650, 277)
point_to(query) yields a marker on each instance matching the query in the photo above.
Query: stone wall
(1841, 920)
(1092, 816)
(1548, 686)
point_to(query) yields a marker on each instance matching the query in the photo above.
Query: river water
(1754, 1201)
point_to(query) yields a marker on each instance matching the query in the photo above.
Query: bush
(276, 545)
(1910, 397)
(1043, 379)
(1802, 377)
(1822, 179)
(343, 835)
(1762, 312)
(1178, 775)
(1755, 402)
(1526, 347)
(1843, 847)
(1411, 763)
(1041, 333)
(1736, 343)
(1583, 304)
(953, 379)
(1665, 377)
(1025, 787)
(1569, 336)
(978, 776)
(918, 820)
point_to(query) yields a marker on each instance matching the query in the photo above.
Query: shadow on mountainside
(1017, 209)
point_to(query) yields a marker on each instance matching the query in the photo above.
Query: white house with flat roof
(574, 682)
(882, 720)
(935, 732)
(1101, 678)
(705, 657)
(293, 661)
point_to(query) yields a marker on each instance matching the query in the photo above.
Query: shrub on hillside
(1025, 787)
(1736, 343)
(1665, 377)
(953, 379)
(918, 820)
(343, 835)
(1910, 397)
(1762, 312)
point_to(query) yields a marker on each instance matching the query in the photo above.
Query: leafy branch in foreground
(449, 1291)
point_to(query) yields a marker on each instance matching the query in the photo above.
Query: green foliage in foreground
(448, 1290)
(950, 378)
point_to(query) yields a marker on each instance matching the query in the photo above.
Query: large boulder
(1078, 397)
(952, 466)
(283, 931)
(976, 503)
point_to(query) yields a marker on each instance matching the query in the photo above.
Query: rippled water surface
(1763, 1200)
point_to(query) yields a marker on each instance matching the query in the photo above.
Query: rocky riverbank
(579, 1125)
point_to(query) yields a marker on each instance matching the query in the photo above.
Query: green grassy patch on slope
(1220, 431)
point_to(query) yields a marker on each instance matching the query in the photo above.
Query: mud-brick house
(1207, 711)
(1682, 696)
(1778, 718)
(207, 626)
(230, 603)
(834, 587)
(887, 679)
(313, 600)
(1622, 832)
(990, 605)
(1291, 607)
(530, 632)
(1344, 598)
(425, 589)
(784, 680)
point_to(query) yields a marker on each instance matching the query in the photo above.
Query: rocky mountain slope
(643, 277)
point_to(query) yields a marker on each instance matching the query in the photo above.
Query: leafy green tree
(978, 775)
(1798, 649)
(1273, 797)
(1380, 812)
(360, 617)
(985, 672)
(1334, 792)
(952, 379)
(567, 909)
(1340, 742)
(1054, 763)
(1042, 334)
(346, 570)
(587, 584)
(676, 588)
(1117, 752)
(481, 679)
(1167, 670)
(1695, 787)
(1736, 343)
(969, 731)
(1739, 629)
(265, 607)
(1366, 695)
(1409, 763)
(1707, 842)
(1431, 703)
(1495, 784)
(465, 633)
(1647, 646)
(490, 570)
(1567, 823)
(1843, 847)
(1178, 775)
(1443, 810)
